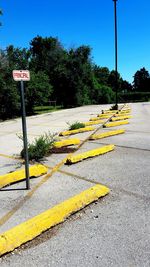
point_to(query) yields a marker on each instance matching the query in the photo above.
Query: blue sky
(88, 22)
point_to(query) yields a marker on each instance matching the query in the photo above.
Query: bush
(105, 95)
(135, 96)
(40, 146)
(76, 125)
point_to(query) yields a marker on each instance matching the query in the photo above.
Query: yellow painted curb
(96, 119)
(93, 122)
(119, 118)
(116, 123)
(124, 112)
(67, 142)
(81, 130)
(16, 176)
(109, 112)
(103, 135)
(30, 229)
(104, 116)
(88, 154)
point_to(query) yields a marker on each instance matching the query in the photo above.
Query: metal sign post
(22, 76)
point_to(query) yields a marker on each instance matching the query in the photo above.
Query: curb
(89, 154)
(97, 118)
(17, 176)
(93, 122)
(117, 123)
(119, 118)
(104, 116)
(30, 229)
(67, 142)
(81, 130)
(103, 135)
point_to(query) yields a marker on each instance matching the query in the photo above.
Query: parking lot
(113, 231)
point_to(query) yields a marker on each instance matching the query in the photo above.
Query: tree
(101, 74)
(46, 54)
(112, 80)
(18, 58)
(1, 13)
(141, 80)
(38, 90)
(9, 98)
(105, 95)
(125, 86)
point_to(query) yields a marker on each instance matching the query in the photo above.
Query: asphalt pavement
(113, 231)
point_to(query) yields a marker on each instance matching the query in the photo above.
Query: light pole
(116, 53)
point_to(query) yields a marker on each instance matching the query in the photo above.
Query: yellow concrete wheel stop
(89, 154)
(107, 134)
(93, 122)
(116, 123)
(104, 116)
(109, 111)
(81, 130)
(119, 118)
(67, 142)
(30, 229)
(17, 176)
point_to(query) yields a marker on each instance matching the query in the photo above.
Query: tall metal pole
(25, 142)
(116, 52)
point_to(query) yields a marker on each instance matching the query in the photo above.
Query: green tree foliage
(67, 76)
(9, 98)
(101, 74)
(1, 13)
(125, 86)
(18, 58)
(38, 90)
(142, 81)
(105, 94)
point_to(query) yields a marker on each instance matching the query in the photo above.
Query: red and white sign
(21, 75)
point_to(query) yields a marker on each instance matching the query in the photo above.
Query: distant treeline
(68, 77)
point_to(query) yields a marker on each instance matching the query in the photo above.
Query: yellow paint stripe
(93, 122)
(17, 176)
(30, 229)
(67, 142)
(9, 214)
(117, 123)
(103, 135)
(89, 154)
(81, 130)
(9, 157)
(120, 118)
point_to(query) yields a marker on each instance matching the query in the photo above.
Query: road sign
(21, 75)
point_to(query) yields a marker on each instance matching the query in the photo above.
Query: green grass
(46, 109)
(40, 146)
(76, 125)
